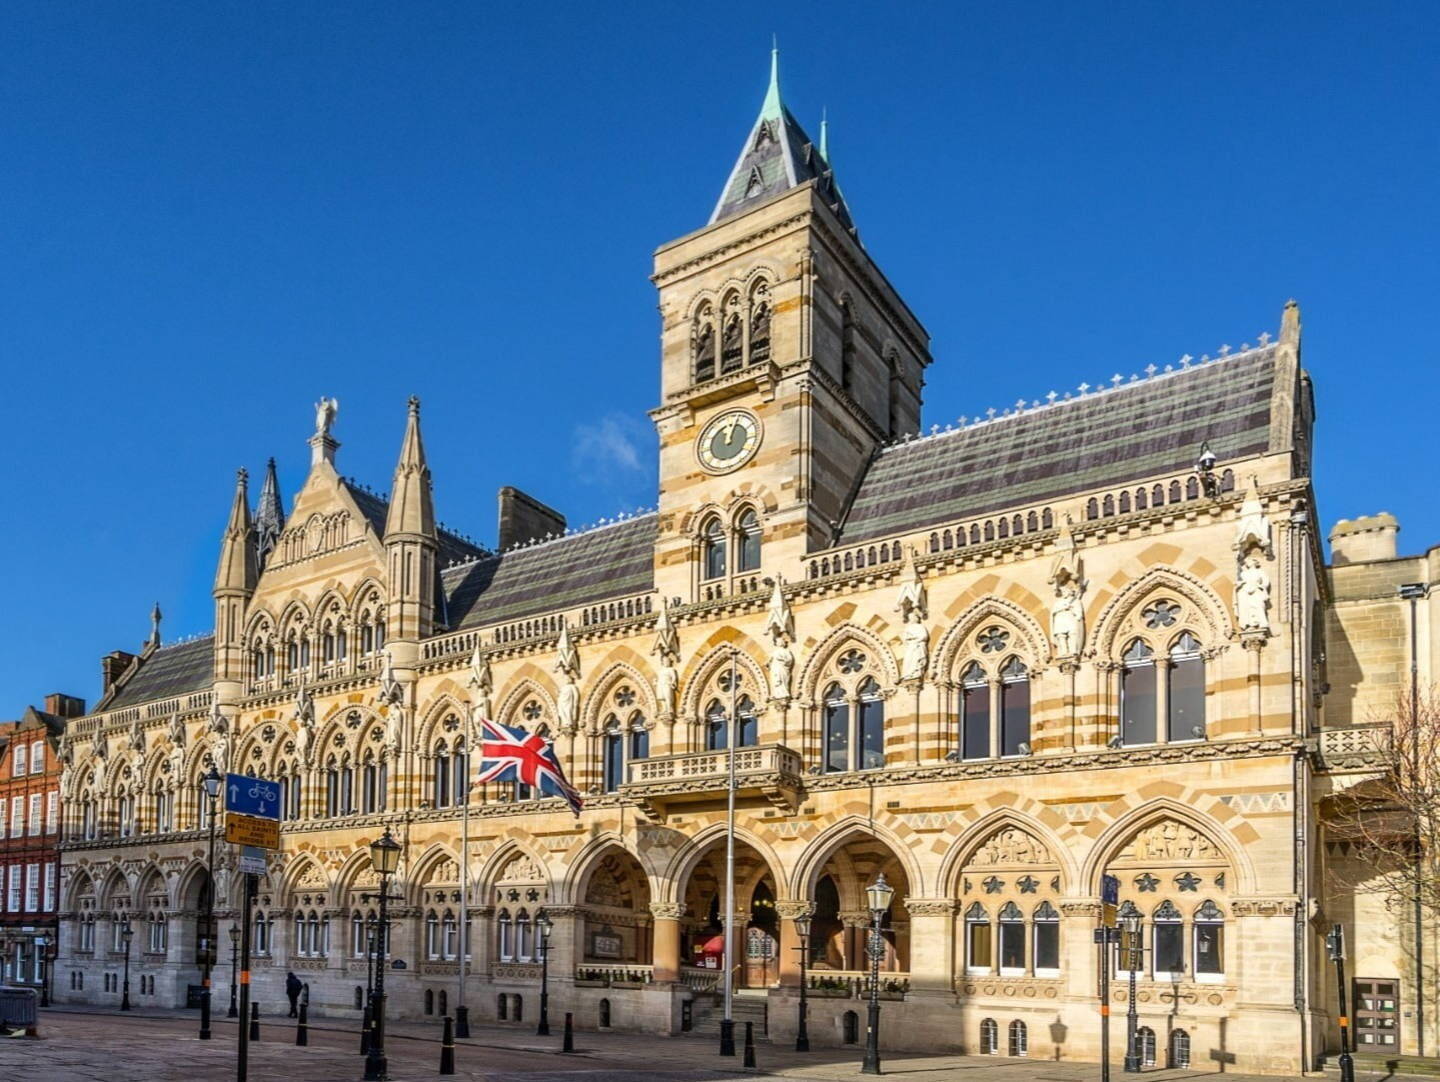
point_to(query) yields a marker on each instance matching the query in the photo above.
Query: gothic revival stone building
(1083, 636)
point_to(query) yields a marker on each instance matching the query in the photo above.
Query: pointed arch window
(732, 345)
(1186, 699)
(760, 332)
(1209, 942)
(612, 754)
(748, 535)
(373, 777)
(715, 726)
(746, 724)
(506, 936)
(1047, 940)
(639, 738)
(979, 944)
(459, 773)
(974, 713)
(448, 933)
(704, 348)
(164, 818)
(712, 546)
(870, 726)
(1137, 695)
(1012, 941)
(432, 935)
(837, 730)
(441, 778)
(1014, 708)
(524, 941)
(1168, 942)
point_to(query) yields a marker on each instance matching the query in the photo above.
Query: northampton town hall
(1091, 634)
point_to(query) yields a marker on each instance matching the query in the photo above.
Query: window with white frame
(12, 889)
(3, 806)
(50, 871)
(35, 820)
(87, 931)
(17, 817)
(447, 936)
(37, 757)
(1168, 942)
(32, 888)
(979, 945)
(432, 935)
(1209, 942)
(506, 936)
(155, 932)
(1047, 941)
(19, 760)
(1012, 941)
(52, 811)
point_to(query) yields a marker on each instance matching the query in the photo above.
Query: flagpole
(727, 1026)
(462, 1016)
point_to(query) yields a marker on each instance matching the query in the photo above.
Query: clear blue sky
(211, 214)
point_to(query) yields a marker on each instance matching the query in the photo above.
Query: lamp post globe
(1131, 925)
(385, 857)
(879, 894)
(802, 1033)
(126, 934)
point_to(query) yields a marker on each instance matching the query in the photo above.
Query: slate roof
(375, 508)
(170, 670)
(612, 561)
(1104, 439)
(776, 157)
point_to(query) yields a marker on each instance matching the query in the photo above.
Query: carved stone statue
(567, 659)
(915, 639)
(391, 693)
(779, 623)
(782, 663)
(567, 664)
(482, 682)
(177, 730)
(218, 721)
(567, 706)
(1067, 619)
(304, 723)
(177, 760)
(394, 727)
(667, 688)
(220, 750)
(667, 640)
(137, 736)
(325, 411)
(100, 747)
(1252, 595)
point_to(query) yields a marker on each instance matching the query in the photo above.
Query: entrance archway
(757, 947)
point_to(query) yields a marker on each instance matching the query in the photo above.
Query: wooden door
(1377, 1015)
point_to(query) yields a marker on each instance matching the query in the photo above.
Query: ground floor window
(989, 1038)
(1019, 1039)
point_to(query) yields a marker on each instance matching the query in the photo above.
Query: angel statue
(325, 411)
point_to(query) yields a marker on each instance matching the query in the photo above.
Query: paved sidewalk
(101, 1045)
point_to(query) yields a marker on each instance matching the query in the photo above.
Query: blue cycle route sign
(252, 796)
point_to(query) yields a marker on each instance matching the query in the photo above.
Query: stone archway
(841, 920)
(616, 926)
(756, 950)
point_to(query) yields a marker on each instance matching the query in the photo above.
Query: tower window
(760, 334)
(731, 346)
(749, 528)
(714, 549)
(705, 352)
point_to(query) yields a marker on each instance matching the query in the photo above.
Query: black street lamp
(543, 927)
(879, 894)
(234, 960)
(1335, 947)
(1131, 951)
(385, 856)
(45, 949)
(802, 928)
(211, 782)
(126, 934)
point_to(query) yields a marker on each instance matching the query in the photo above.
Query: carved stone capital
(792, 910)
(1254, 639)
(1068, 665)
(668, 910)
(1263, 907)
(855, 918)
(1080, 909)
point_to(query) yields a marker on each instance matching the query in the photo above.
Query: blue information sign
(1110, 890)
(252, 796)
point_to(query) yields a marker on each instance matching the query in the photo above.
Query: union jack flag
(508, 754)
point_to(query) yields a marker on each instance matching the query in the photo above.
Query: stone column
(856, 923)
(932, 944)
(1254, 642)
(1079, 962)
(789, 960)
(665, 951)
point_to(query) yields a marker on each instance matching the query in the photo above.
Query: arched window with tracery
(1014, 708)
(1012, 941)
(704, 344)
(612, 755)
(747, 537)
(1046, 946)
(442, 776)
(712, 547)
(505, 935)
(1137, 694)
(373, 779)
(1186, 690)
(979, 943)
(760, 323)
(974, 713)
(837, 730)
(853, 714)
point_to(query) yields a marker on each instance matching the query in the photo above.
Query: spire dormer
(410, 537)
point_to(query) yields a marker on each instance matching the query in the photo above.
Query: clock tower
(787, 360)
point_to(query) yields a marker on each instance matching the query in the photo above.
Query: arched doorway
(617, 923)
(757, 946)
(841, 923)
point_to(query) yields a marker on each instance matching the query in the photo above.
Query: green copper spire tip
(772, 95)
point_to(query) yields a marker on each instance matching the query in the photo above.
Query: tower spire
(236, 572)
(776, 157)
(269, 516)
(825, 134)
(412, 507)
(410, 538)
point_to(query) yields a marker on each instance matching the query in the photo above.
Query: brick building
(30, 836)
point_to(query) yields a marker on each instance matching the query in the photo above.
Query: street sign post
(252, 796)
(252, 860)
(1109, 900)
(248, 830)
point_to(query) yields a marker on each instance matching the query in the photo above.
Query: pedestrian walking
(292, 989)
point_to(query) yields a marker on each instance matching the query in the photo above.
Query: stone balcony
(771, 771)
(1364, 747)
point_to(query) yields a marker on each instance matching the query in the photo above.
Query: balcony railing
(769, 770)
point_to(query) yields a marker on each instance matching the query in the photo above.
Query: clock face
(728, 442)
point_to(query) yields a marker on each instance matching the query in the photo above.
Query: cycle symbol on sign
(252, 796)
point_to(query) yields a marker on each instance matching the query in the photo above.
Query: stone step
(1379, 1063)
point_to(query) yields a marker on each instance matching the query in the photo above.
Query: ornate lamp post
(802, 928)
(234, 960)
(211, 782)
(879, 894)
(543, 927)
(126, 934)
(1131, 952)
(52, 951)
(385, 856)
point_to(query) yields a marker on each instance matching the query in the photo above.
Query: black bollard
(254, 1021)
(302, 1034)
(727, 1036)
(569, 1045)
(749, 1044)
(462, 1021)
(365, 1032)
(447, 1048)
